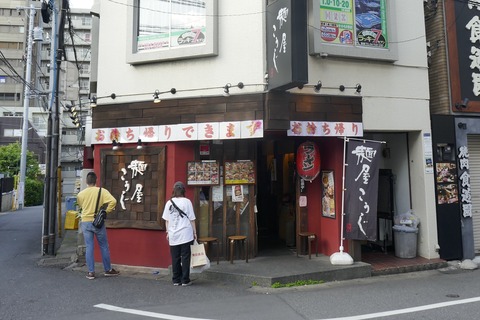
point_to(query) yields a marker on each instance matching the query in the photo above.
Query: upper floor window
(11, 45)
(86, 21)
(171, 29)
(353, 28)
(12, 133)
(13, 114)
(4, 96)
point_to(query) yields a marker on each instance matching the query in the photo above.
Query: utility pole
(48, 239)
(51, 189)
(26, 102)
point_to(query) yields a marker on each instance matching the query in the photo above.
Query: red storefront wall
(327, 229)
(147, 248)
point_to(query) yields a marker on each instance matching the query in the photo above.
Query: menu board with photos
(239, 172)
(204, 173)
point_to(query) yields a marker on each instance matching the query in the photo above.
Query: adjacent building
(73, 92)
(13, 46)
(73, 87)
(453, 51)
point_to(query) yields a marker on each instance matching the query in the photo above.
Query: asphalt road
(29, 291)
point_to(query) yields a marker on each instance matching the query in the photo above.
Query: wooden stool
(207, 240)
(310, 237)
(233, 240)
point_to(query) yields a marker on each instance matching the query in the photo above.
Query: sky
(81, 4)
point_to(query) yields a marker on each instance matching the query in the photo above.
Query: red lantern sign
(308, 161)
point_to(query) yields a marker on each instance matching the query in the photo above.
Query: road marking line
(407, 310)
(144, 313)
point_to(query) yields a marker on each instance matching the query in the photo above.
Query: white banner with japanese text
(325, 129)
(180, 132)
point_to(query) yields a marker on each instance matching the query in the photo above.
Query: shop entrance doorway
(275, 196)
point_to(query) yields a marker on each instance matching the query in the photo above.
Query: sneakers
(187, 284)
(111, 273)
(176, 283)
(91, 275)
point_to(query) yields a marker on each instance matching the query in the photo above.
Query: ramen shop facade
(231, 123)
(240, 175)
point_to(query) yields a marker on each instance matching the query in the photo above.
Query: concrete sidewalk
(281, 266)
(263, 270)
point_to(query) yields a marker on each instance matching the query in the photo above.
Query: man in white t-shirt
(181, 232)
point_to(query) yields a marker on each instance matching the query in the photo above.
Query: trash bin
(405, 241)
(405, 234)
(70, 203)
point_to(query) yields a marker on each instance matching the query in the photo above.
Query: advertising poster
(336, 22)
(237, 193)
(371, 23)
(447, 190)
(239, 172)
(203, 173)
(328, 194)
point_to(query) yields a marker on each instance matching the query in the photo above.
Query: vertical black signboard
(361, 190)
(287, 44)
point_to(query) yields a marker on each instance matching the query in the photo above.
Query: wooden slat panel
(209, 117)
(121, 113)
(166, 111)
(309, 108)
(277, 109)
(210, 108)
(187, 118)
(240, 116)
(241, 106)
(144, 215)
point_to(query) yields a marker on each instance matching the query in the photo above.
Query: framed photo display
(203, 173)
(328, 194)
(239, 172)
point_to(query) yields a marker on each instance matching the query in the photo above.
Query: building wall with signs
(394, 93)
(453, 45)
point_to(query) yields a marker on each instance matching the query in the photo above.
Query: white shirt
(179, 228)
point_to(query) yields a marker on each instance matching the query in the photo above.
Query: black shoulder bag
(180, 211)
(99, 216)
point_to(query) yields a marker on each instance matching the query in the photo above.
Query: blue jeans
(181, 262)
(88, 233)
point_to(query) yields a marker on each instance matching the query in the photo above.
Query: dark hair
(91, 178)
(178, 192)
(178, 189)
